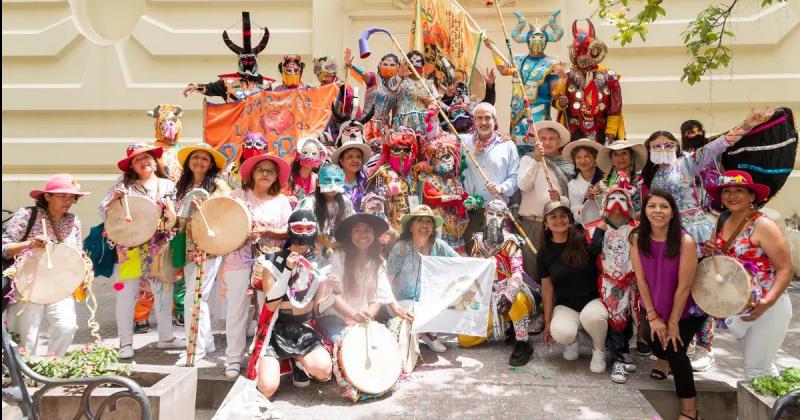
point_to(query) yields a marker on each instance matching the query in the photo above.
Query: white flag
(454, 295)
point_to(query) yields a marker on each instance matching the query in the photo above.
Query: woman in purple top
(664, 261)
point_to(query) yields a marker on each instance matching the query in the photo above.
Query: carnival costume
(331, 179)
(413, 98)
(310, 153)
(393, 176)
(381, 96)
(168, 125)
(351, 135)
(536, 73)
(247, 81)
(617, 283)
(443, 189)
(511, 300)
(282, 334)
(590, 105)
(325, 69)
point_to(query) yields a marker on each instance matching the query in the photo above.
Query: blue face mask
(331, 179)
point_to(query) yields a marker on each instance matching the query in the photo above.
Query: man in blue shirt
(498, 159)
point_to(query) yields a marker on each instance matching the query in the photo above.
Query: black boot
(523, 350)
(299, 377)
(510, 337)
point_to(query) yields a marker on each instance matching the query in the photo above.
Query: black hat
(345, 227)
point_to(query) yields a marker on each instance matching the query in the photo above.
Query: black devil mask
(248, 66)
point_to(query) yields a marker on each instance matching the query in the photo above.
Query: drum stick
(718, 277)
(205, 222)
(368, 361)
(46, 245)
(128, 218)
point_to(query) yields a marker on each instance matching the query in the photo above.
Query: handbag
(100, 251)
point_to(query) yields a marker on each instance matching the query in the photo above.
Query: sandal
(658, 375)
(696, 415)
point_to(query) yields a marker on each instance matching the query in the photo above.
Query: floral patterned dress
(752, 257)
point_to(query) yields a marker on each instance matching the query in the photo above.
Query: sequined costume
(393, 177)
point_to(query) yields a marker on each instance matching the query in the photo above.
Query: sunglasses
(265, 171)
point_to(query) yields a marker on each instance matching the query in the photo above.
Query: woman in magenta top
(665, 262)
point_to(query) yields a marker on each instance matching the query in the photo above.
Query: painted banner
(455, 294)
(442, 29)
(281, 117)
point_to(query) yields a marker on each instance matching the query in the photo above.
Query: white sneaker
(232, 370)
(702, 360)
(434, 344)
(618, 373)
(598, 363)
(691, 349)
(571, 351)
(628, 363)
(173, 343)
(126, 352)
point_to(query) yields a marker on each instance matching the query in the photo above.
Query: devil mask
(248, 66)
(291, 70)
(495, 215)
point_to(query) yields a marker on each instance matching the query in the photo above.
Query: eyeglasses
(664, 146)
(265, 171)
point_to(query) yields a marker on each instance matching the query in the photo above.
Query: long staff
(365, 52)
(518, 78)
(191, 346)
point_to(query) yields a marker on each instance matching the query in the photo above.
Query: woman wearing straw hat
(263, 176)
(362, 285)
(23, 232)
(417, 238)
(201, 168)
(626, 157)
(763, 251)
(143, 175)
(583, 154)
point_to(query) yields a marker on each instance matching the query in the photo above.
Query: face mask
(536, 44)
(326, 78)
(617, 204)
(663, 153)
(310, 156)
(444, 166)
(400, 165)
(695, 142)
(168, 129)
(331, 179)
(387, 72)
(290, 80)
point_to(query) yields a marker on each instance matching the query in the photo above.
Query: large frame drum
(229, 223)
(724, 296)
(145, 214)
(38, 283)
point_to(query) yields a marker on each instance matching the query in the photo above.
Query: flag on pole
(448, 38)
(455, 294)
(281, 117)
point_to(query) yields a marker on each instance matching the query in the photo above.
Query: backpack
(102, 254)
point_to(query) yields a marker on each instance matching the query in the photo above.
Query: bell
(579, 94)
(571, 88)
(601, 107)
(576, 105)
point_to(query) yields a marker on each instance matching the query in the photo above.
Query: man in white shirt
(535, 188)
(498, 158)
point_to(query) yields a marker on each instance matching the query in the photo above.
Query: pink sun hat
(59, 184)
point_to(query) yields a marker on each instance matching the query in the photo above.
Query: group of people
(593, 233)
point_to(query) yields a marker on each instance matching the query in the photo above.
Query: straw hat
(219, 158)
(422, 211)
(567, 152)
(638, 152)
(136, 149)
(563, 133)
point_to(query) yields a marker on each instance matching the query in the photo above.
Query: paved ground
(477, 382)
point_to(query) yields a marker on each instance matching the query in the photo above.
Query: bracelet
(652, 319)
(746, 126)
(652, 310)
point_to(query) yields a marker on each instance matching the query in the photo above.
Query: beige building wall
(79, 75)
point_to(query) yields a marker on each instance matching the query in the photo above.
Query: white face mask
(663, 157)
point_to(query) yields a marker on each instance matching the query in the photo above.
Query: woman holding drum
(137, 210)
(756, 242)
(263, 176)
(200, 179)
(418, 238)
(664, 260)
(51, 224)
(361, 284)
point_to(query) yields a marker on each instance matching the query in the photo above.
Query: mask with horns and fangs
(586, 51)
(248, 66)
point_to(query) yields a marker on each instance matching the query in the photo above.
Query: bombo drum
(142, 226)
(37, 282)
(228, 225)
(368, 357)
(725, 295)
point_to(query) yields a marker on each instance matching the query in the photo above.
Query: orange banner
(281, 117)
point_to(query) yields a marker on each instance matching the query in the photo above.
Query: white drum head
(590, 212)
(370, 357)
(229, 222)
(40, 284)
(722, 299)
(409, 343)
(144, 213)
